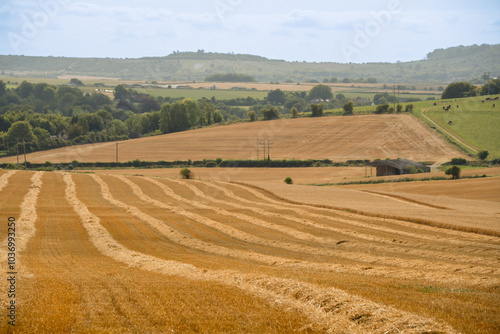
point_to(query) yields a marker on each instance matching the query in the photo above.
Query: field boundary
(405, 199)
(364, 213)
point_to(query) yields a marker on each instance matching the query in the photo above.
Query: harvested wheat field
(336, 138)
(128, 254)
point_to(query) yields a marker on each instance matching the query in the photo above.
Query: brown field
(335, 138)
(127, 254)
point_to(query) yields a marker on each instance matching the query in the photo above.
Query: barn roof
(398, 163)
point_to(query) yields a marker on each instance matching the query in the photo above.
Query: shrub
(211, 164)
(458, 161)
(47, 164)
(482, 155)
(317, 110)
(186, 173)
(412, 170)
(348, 108)
(288, 180)
(381, 109)
(252, 115)
(454, 172)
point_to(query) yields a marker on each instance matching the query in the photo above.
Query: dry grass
(136, 254)
(335, 138)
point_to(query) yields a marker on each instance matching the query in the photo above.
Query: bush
(454, 172)
(288, 180)
(458, 161)
(186, 173)
(412, 170)
(348, 108)
(317, 110)
(482, 155)
(211, 164)
(382, 109)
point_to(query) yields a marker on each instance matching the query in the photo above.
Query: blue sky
(315, 30)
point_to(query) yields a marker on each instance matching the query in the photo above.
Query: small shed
(397, 167)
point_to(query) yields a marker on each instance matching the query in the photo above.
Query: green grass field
(200, 93)
(476, 122)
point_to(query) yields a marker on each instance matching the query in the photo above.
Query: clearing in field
(335, 138)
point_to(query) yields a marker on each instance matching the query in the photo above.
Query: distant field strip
(129, 253)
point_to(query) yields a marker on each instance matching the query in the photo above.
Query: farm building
(397, 167)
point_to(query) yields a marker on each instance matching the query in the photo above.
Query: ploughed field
(118, 254)
(335, 138)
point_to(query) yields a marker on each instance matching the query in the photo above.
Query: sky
(356, 31)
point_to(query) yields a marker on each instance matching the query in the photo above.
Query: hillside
(441, 66)
(335, 138)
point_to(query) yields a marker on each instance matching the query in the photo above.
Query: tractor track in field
(331, 308)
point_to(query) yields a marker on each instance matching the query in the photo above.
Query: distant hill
(441, 66)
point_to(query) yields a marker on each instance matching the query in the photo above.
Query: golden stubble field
(335, 138)
(101, 253)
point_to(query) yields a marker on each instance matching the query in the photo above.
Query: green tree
(186, 173)
(218, 117)
(295, 112)
(20, 131)
(320, 92)
(454, 172)
(409, 107)
(117, 128)
(348, 108)
(121, 93)
(317, 110)
(458, 89)
(99, 99)
(174, 117)
(288, 180)
(271, 113)
(491, 87)
(25, 89)
(276, 96)
(483, 155)
(76, 82)
(252, 115)
(3, 88)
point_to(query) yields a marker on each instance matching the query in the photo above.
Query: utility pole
(398, 94)
(269, 149)
(17, 150)
(394, 98)
(264, 145)
(116, 152)
(258, 150)
(486, 78)
(24, 150)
